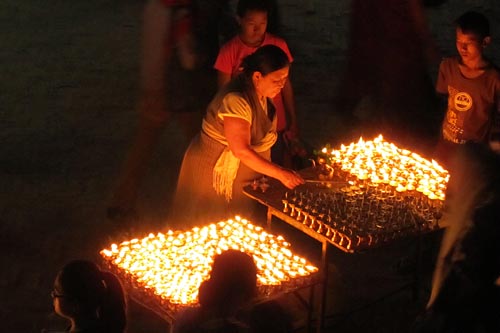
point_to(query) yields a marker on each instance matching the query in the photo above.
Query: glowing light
(172, 265)
(382, 161)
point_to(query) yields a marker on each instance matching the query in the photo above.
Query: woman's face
(271, 84)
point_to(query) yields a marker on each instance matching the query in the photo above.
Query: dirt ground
(67, 114)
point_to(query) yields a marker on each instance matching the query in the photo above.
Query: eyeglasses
(54, 294)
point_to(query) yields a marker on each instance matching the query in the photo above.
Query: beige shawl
(227, 165)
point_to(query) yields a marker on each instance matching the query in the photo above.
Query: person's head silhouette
(233, 281)
(89, 298)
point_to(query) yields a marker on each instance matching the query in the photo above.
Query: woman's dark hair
(266, 59)
(233, 280)
(94, 290)
(475, 23)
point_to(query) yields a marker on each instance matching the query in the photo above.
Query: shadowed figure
(180, 39)
(231, 286)
(270, 317)
(465, 296)
(387, 70)
(92, 300)
(228, 301)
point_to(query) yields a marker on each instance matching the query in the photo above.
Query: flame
(380, 161)
(174, 264)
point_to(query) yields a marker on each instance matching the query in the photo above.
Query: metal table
(168, 311)
(272, 196)
(151, 302)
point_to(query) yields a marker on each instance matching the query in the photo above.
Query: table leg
(417, 274)
(324, 286)
(310, 309)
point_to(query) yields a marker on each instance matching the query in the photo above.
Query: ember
(170, 267)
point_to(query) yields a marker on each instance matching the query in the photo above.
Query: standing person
(92, 300)
(390, 48)
(464, 295)
(471, 85)
(254, 17)
(179, 39)
(233, 147)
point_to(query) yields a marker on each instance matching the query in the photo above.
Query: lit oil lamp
(171, 266)
(390, 192)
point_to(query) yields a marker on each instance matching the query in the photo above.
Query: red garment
(231, 55)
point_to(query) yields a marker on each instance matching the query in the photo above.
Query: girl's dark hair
(95, 290)
(475, 23)
(233, 280)
(265, 59)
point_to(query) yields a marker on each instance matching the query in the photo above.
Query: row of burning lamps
(386, 190)
(172, 265)
(381, 162)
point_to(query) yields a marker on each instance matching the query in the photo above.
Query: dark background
(69, 80)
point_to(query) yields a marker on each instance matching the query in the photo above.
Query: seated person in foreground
(92, 300)
(227, 301)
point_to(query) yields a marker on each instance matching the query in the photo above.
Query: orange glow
(379, 161)
(172, 265)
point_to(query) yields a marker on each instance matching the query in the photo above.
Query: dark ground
(67, 95)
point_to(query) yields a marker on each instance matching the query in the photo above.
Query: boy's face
(470, 46)
(253, 27)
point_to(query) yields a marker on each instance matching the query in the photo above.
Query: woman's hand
(290, 178)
